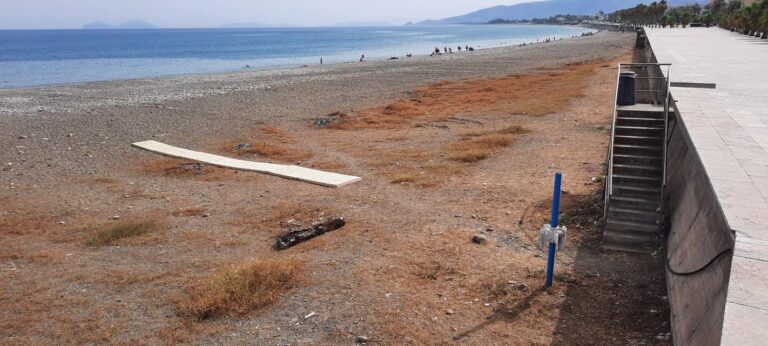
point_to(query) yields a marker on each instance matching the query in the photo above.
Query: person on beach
(321, 61)
(362, 58)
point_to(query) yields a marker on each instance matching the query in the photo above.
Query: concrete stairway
(633, 220)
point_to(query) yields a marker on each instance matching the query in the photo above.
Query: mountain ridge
(545, 9)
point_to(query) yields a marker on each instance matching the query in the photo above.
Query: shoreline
(78, 97)
(245, 69)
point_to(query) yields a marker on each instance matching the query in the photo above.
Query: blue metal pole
(556, 201)
(553, 222)
(551, 265)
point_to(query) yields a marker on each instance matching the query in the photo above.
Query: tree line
(732, 15)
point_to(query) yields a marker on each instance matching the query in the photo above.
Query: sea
(49, 57)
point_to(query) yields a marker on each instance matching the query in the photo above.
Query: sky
(70, 14)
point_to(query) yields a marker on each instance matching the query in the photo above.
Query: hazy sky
(28, 14)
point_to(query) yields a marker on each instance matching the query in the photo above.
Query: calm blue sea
(44, 57)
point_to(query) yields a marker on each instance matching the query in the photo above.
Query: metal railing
(655, 91)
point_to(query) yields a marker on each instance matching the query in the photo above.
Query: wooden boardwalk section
(299, 173)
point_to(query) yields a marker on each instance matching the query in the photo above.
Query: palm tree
(674, 17)
(763, 20)
(685, 19)
(663, 21)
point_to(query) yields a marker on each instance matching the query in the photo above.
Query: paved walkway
(729, 128)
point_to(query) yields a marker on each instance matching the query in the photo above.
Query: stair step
(636, 191)
(630, 147)
(637, 177)
(645, 250)
(637, 167)
(633, 211)
(634, 202)
(640, 122)
(632, 227)
(652, 120)
(637, 188)
(643, 128)
(629, 159)
(632, 214)
(629, 240)
(638, 139)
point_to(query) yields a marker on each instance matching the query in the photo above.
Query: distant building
(600, 16)
(744, 2)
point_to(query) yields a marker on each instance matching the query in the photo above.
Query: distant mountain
(545, 9)
(134, 24)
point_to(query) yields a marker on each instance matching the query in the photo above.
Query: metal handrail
(666, 136)
(609, 178)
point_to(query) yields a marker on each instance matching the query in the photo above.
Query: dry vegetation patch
(276, 152)
(189, 212)
(541, 93)
(112, 233)
(241, 289)
(478, 148)
(177, 168)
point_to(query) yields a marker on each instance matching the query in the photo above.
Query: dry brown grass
(478, 148)
(176, 168)
(128, 229)
(266, 150)
(189, 212)
(540, 93)
(241, 289)
(276, 132)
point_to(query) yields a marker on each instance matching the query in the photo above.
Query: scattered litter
(479, 239)
(449, 312)
(361, 339)
(330, 119)
(242, 146)
(310, 315)
(294, 238)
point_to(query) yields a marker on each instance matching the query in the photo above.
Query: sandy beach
(448, 147)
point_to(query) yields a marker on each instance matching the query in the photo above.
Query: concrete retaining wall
(697, 233)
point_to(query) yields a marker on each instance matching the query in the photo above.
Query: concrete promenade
(728, 128)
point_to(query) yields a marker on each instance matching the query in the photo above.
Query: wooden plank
(308, 175)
